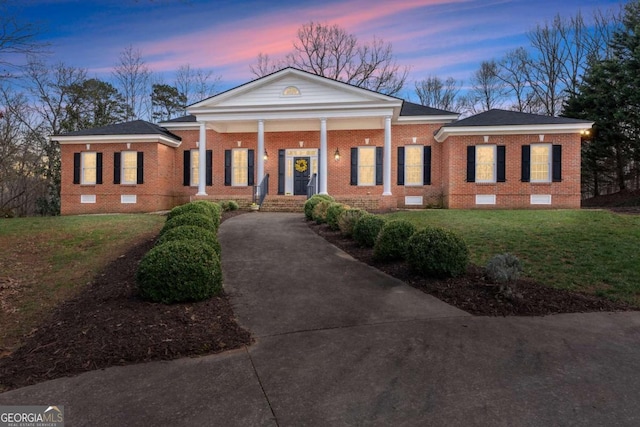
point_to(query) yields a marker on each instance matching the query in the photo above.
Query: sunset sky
(437, 37)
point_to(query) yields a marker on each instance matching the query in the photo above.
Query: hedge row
(432, 251)
(184, 265)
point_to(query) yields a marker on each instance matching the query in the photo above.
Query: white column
(324, 155)
(386, 165)
(202, 163)
(260, 153)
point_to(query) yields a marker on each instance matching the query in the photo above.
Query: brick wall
(163, 187)
(153, 195)
(513, 193)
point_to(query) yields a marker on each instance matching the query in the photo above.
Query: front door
(301, 174)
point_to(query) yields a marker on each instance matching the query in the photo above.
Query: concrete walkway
(339, 343)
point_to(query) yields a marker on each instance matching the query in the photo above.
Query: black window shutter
(140, 168)
(227, 167)
(501, 164)
(116, 168)
(76, 168)
(209, 167)
(378, 165)
(400, 165)
(98, 168)
(186, 165)
(250, 167)
(281, 171)
(354, 166)
(426, 165)
(556, 162)
(471, 163)
(526, 163)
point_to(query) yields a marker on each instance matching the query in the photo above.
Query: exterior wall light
(266, 156)
(336, 155)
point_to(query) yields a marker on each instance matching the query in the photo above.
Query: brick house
(298, 129)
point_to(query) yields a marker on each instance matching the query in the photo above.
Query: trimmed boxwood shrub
(188, 208)
(367, 228)
(333, 212)
(320, 211)
(214, 208)
(392, 240)
(179, 271)
(348, 219)
(437, 252)
(191, 232)
(310, 204)
(197, 219)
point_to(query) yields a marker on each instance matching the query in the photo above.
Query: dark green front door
(301, 168)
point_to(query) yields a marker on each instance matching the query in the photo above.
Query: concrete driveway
(339, 343)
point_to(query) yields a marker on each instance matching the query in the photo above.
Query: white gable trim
(204, 105)
(445, 132)
(106, 139)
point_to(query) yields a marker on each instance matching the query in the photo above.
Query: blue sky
(437, 37)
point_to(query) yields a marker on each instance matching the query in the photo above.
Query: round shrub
(348, 219)
(229, 205)
(196, 219)
(391, 243)
(319, 214)
(190, 232)
(179, 271)
(437, 252)
(215, 210)
(188, 208)
(310, 204)
(366, 229)
(333, 212)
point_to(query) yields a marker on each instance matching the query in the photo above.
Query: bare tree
(266, 65)
(437, 93)
(16, 39)
(512, 71)
(195, 84)
(329, 51)
(133, 79)
(487, 89)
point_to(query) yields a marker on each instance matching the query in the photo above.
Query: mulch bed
(474, 294)
(108, 325)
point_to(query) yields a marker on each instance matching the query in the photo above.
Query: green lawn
(44, 261)
(592, 251)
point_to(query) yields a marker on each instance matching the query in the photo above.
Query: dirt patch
(106, 324)
(474, 294)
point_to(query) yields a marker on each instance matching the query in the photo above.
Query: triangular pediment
(294, 88)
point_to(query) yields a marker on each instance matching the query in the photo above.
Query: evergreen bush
(437, 252)
(188, 208)
(319, 214)
(310, 204)
(392, 240)
(367, 228)
(348, 219)
(189, 218)
(214, 208)
(191, 232)
(333, 212)
(179, 271)
(229, 205)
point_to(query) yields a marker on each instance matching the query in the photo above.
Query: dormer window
(291, 91)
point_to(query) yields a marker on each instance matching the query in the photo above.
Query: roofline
(305, 74)
(106, 139)
(428, 119)
(181, 125)
(444, 132)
